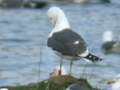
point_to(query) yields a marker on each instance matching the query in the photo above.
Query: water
(24, 32)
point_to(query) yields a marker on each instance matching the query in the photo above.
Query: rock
(56, 83)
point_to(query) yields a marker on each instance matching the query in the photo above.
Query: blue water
(23, 37)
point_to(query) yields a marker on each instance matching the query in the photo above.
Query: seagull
(110, 45)
(64, 41)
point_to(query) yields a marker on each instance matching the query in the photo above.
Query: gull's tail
(93, 58)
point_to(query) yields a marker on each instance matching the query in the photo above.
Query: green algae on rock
(55, 83)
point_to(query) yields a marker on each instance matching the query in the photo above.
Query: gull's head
(107, 36)
(57, 17)
(54, 13)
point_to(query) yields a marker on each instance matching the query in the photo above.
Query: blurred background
(24, 30)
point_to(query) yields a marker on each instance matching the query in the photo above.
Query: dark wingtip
(94, 58)
(97, 59)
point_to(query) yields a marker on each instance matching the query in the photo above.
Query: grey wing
(55, 45)
(64, 42)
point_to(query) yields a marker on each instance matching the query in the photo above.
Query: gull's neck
(61, 24)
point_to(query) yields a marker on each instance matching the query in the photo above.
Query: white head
(58, 19)
(107, 36)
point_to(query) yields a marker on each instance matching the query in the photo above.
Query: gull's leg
(61, 63)
(71, 63)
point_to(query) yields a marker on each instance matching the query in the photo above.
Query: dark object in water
(23, 3)
(40, 4)
(11, 3)
(105, 1)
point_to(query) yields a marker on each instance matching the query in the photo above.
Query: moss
(55, 83)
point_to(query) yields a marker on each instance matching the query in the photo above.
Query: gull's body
(65, 41)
